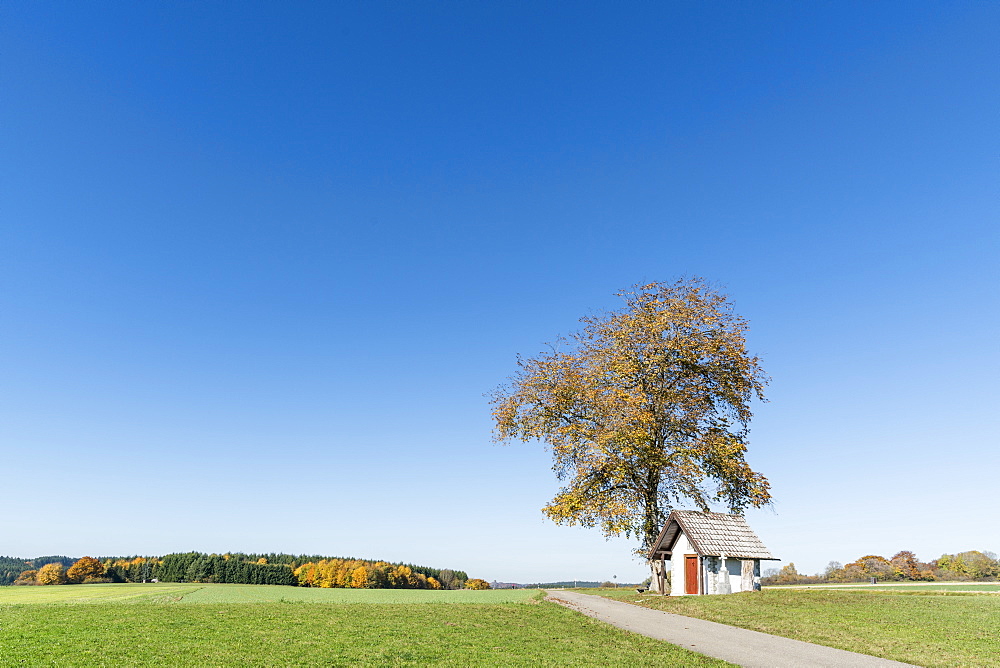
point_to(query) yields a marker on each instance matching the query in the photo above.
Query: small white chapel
(708, 553)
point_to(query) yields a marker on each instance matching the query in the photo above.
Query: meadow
(942, 588)
(919, 625)
(935, 586)
(260, 625)
(241, 593)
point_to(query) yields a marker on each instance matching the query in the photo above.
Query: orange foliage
(85, 567)
(643, 407)
(356, 573)
(51, 574)
(27, 577)
(359, 578)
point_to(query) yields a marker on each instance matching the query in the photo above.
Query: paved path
(729, 643)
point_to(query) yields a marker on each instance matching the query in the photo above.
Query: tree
(869, 566)
(973, 565)
(449, 580)
(27, 577)
(643, 408)
(197, 571)
(51, 574)
(83, 568)
(904, 565)
(476, 583)
(359, 577)
(787, 575)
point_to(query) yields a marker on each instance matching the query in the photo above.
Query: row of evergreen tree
(241, 568)
(200, 567)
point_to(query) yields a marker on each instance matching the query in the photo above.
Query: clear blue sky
(258, 265)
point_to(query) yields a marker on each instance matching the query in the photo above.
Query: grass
(924, 627)
(947, 588)
(952, 586)
(145, 625)
(97, 593)
(235, 593)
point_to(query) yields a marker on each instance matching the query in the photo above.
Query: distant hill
(580, 584)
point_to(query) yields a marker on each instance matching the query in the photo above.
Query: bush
(476, 583)
(27, 578)
(51, 574)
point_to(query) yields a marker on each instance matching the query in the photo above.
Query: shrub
(27, 578)
(51, 574)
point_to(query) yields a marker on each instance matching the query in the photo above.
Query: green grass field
(945, 588)
(236, 593)
(924, 627)
(885, 586)
(247, 625)
(950, 586)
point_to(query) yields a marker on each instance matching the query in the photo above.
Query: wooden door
(691, 574)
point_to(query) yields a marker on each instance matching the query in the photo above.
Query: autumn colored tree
(401, 577)
(27, 577)
(83, 568)
(359, 578)
(378, 575)
(476, 583)
(869, 566)
(307, 574)
(360, 573)
(646, 406)
(343, 574)
(974, 565)
(51, 574)
(787, 575)
(904, 565)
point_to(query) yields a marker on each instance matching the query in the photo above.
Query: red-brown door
(690, 574)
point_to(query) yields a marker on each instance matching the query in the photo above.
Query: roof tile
(715, 534)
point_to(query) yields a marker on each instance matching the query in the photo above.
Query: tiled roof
(712, 535)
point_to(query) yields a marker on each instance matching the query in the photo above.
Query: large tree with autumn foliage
(51, 574)
(644, 408)
(83, 568)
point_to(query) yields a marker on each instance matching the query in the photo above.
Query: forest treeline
(234, 568)
(11, 567)
(903, 566)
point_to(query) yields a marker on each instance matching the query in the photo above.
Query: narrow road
(729, 643)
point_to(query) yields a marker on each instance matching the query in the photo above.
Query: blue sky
(260, 265)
